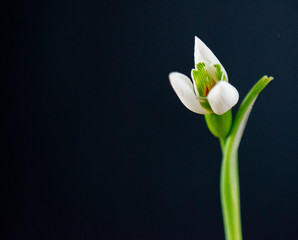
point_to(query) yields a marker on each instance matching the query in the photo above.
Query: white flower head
(209, 91)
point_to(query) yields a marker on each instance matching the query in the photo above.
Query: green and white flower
(209, 91)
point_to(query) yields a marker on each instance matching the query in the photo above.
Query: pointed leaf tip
(243, 113)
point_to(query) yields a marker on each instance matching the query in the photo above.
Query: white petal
(184, 90)
(205, 55)
(222, 97)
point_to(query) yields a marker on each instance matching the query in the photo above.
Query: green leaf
(243, 113)
(229, 179)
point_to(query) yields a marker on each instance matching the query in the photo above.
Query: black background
(99, 146)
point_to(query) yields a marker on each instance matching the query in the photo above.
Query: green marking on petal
(219, 73)
(201, 77)
(204, 82)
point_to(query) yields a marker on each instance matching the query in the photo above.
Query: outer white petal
(205, 55)
(222, 97)
(184, 90)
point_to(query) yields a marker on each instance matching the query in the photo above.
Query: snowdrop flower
(209, 91)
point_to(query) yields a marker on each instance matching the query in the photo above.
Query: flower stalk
(230, 195)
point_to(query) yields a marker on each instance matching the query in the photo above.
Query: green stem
(230, 193)
(222, 144)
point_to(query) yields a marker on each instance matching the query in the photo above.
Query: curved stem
(230, 194)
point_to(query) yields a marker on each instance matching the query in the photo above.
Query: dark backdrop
(99, 146)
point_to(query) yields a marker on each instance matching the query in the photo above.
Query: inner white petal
(194, 85)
